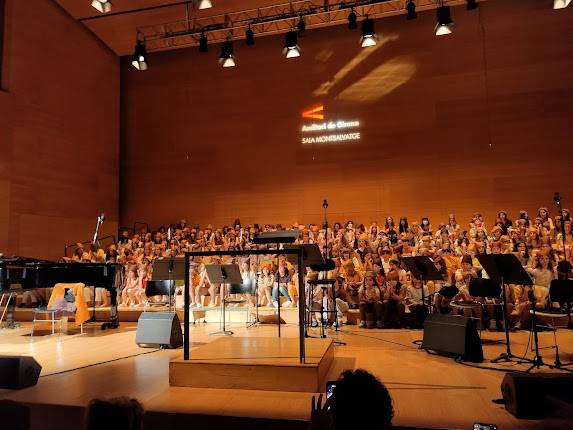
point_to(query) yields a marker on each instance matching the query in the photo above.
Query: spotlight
(103, 6)
(301, 25)
(411, 10)
(472, 4)
(203, 43)
(249, 36)
(445, 25)
(203, 4)
(291, 49)
(368, 35)
(560, 4)
(227, 59)
(352, 20)
(140, 56)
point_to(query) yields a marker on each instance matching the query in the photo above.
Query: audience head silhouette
(359, 401)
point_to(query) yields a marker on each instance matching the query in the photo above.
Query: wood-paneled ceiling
(118, 29)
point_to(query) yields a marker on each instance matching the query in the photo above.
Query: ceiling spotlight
(227, 59)
(103, 6)
(140, 56)
(291, 49)
(301, 25)
(445, 25)
(411, 10)
(203, 4)
(368, 35)
(203, 43)
(352, 20)
(472, 4)
(249, 36)
(560, 4)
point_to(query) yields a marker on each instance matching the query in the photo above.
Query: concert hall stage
(428, 391)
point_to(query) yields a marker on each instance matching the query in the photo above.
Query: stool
(49, 316)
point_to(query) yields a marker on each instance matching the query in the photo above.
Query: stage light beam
(102, 6)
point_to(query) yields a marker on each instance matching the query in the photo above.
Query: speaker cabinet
(159, 330)
(525, 394)
(453, 335)
(17, 372)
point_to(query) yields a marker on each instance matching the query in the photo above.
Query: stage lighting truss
(272, 20)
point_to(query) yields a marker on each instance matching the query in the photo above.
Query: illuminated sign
(332, 131)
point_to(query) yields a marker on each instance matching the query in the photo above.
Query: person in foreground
(339, 412)
(121, 413)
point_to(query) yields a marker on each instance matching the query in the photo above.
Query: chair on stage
(560, 291)
(59, 308)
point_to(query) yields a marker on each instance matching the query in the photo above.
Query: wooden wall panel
(478, 120)
(61, 134)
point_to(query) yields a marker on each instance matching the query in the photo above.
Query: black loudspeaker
(453, 335)
(18, 372)
(159, 330)
(525, 394)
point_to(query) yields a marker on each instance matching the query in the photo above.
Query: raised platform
(265, 363)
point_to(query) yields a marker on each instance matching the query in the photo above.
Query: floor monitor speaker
(453, 335)
(159, 330)
(17, 371)
(526, 395)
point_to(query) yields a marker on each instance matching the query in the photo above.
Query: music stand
(169, 269)
(422, 268)
(311, 256)
(505, 269)
(277, 237)
(224, 274)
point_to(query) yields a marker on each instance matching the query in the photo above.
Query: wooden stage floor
(428, 390)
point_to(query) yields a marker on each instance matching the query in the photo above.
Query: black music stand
(224, 274)
(277, 237)
(422, 268)
(504, 269)
(169, 269)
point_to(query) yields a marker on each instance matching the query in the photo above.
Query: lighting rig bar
(272, 20)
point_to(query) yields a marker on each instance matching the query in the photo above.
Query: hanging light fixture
(227, 59)
(203, 43)
(471, 5)
(301, 26)
(560, 4)
(102, 6)
(445, 24)
(352, 20)
(291, 48)
(249, 36)
(203, 4)
(140, 56)
(369, 37)
(411, 10)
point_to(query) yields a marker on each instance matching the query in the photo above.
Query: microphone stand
(326, 256)
(95, 243)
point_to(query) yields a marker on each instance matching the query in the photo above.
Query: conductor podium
(255, 363)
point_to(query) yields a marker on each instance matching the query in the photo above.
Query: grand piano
(19, 273)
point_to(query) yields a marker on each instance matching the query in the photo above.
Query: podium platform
(255, 363)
